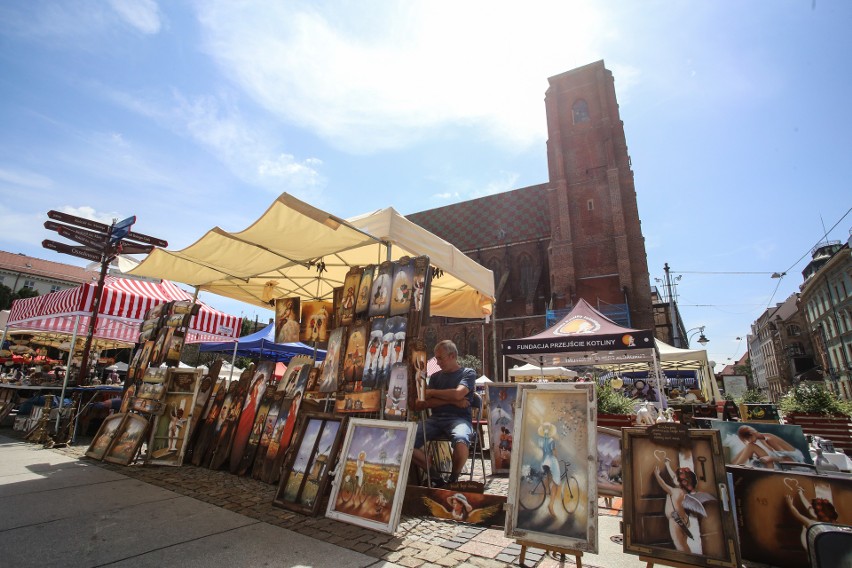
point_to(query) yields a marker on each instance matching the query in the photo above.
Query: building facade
(576, 236)
(18, 271)
(826, 300)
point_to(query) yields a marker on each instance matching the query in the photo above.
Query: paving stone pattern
(417, 543)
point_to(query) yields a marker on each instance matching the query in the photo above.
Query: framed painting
(291, 376)
(127, 440)
(315, 321)
(287, 320)
(353, 358)
(350, 292)
(106, 434)
(676, 499)
(500, 405)
(396, 398)
(553, 497)
(762, 444)
(610, 481)
(774, 510)
(171, 430)
(373, 356)
(371, 474)
(392, 348)
(381, 290)
(475, 508)
(760, 412)
(403, 286)
(174, 348)
(251, 405)
(279, 439)
(253, 444)
(352, 402)
(362, 302)
(305, 476)
(330, 374)
(420, 293)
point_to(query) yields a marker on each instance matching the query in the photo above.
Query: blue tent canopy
(262, 344)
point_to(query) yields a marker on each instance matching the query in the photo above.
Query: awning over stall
(295, 249)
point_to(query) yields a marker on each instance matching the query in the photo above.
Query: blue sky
(191, 115)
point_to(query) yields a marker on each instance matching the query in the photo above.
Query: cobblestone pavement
(417, 543)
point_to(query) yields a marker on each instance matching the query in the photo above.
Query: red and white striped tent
(123, 306)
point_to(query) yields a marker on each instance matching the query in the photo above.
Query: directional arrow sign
(120, 229)
(89, 238)
(125, 247)
(79, 221)
(146, 239)
(82, 252)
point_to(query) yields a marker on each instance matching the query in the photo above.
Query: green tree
(471, 361)
(746, 371)
(7, 296)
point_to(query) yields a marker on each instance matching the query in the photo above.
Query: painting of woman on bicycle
(552, 487)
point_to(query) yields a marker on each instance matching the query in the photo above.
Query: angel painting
(684, 506)
(458, 508)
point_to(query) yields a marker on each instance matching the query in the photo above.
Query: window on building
(29, 284)
(793, 330)
(590, 204)
(527, 269)
(581, 111)
(54, 288)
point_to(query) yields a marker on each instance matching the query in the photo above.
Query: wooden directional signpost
(100, 243)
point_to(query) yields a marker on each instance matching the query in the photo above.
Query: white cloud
(446, 196)
(144, 15)
(88, 212)
(382, 76)
(24, 179)
(506, 182)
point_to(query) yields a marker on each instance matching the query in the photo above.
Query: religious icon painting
(774, 510)
(331, 364)
(373, 356)
(402, 287)
(207, 428)
(253, 443)
(128, 440)
(610, 480)
(245, 425)
(675, 494)
(287, 320)
(371, 476)
(380, 293)
(315, 320)
(170, 430)
(353, 358)
(350, 293)
(355, 402)
(305, 476)
(396, 398)
(500, 402)
(266, 433)
(232, 408)
(109, 429)
(553, 497)
(282, 434)
(762, 444)
(362, 301)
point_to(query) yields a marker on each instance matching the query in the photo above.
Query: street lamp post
(702, 339)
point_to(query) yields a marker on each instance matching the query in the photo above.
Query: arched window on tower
(526, 283)
(581, 111)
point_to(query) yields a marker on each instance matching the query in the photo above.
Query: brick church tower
(577, 236)
(597, 251)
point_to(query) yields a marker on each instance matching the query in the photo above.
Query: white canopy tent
(530, 371)
(295, 249)
(672, 358)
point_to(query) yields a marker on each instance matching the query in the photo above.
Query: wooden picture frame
(103, 439)
(353, 357)
(774, 510)
(396, 397)
(362, 302)
(358, 402)
(306, 473)
(610, 476)
(672, 472)
(371, 474)
(402, 287)
(500, 408)
(171, 430)
(554, 439)
(287, 320)
(128, 440)
(316, 317)
(331, 364)
(349, 295)
(380, 294)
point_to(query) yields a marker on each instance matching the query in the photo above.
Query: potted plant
(615, 410)
(820, 413)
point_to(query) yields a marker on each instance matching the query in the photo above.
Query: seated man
(449, 395)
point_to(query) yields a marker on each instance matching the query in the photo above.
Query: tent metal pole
(67, 370)
(233, 361)
(661, 397)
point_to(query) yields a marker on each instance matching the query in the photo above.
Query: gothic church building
(576, 236)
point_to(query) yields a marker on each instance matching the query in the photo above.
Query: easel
(577, 554)
(651, 562)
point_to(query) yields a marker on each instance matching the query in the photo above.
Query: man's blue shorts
(457, 428)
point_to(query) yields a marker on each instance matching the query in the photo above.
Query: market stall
(261, 344)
